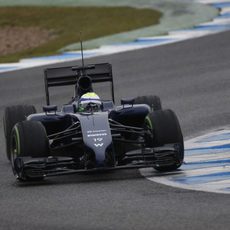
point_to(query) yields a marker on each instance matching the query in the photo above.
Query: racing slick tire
(28, 139)
(166, 130)
(153, 102)
(13, 115)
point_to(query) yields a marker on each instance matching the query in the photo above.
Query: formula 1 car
(135, 134)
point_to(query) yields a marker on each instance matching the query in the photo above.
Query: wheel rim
(15, 150)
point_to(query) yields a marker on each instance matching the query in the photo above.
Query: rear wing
(63, 76)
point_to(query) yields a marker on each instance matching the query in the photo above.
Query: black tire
(153, 102)
(28, 139)
(13, 115)
(166, 130)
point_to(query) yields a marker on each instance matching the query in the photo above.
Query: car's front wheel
(13, 115)
(28, 139)
(166, 129)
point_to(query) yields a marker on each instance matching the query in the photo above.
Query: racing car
(137, 133)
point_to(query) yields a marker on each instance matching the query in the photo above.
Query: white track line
(208, 170)
(217, 25)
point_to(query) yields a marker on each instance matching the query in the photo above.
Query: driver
(89, 102)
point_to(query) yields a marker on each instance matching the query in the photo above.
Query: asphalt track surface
(192, 78)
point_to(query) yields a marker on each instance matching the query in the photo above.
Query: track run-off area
(192, 77)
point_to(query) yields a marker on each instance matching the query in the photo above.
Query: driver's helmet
(89, 102)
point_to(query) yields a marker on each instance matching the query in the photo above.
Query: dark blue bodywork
(95, 127)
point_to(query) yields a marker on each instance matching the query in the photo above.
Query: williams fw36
(89, 133)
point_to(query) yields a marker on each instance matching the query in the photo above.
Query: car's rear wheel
(13, 115)
(153, 102)
(28, 139)
(166, 130)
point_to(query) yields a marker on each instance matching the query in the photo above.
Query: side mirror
(127, 102)
(50, 109)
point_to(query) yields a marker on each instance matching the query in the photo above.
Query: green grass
(66, 22)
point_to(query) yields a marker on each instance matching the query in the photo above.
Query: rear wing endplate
(63, 76)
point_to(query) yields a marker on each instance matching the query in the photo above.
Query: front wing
(27, 167)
